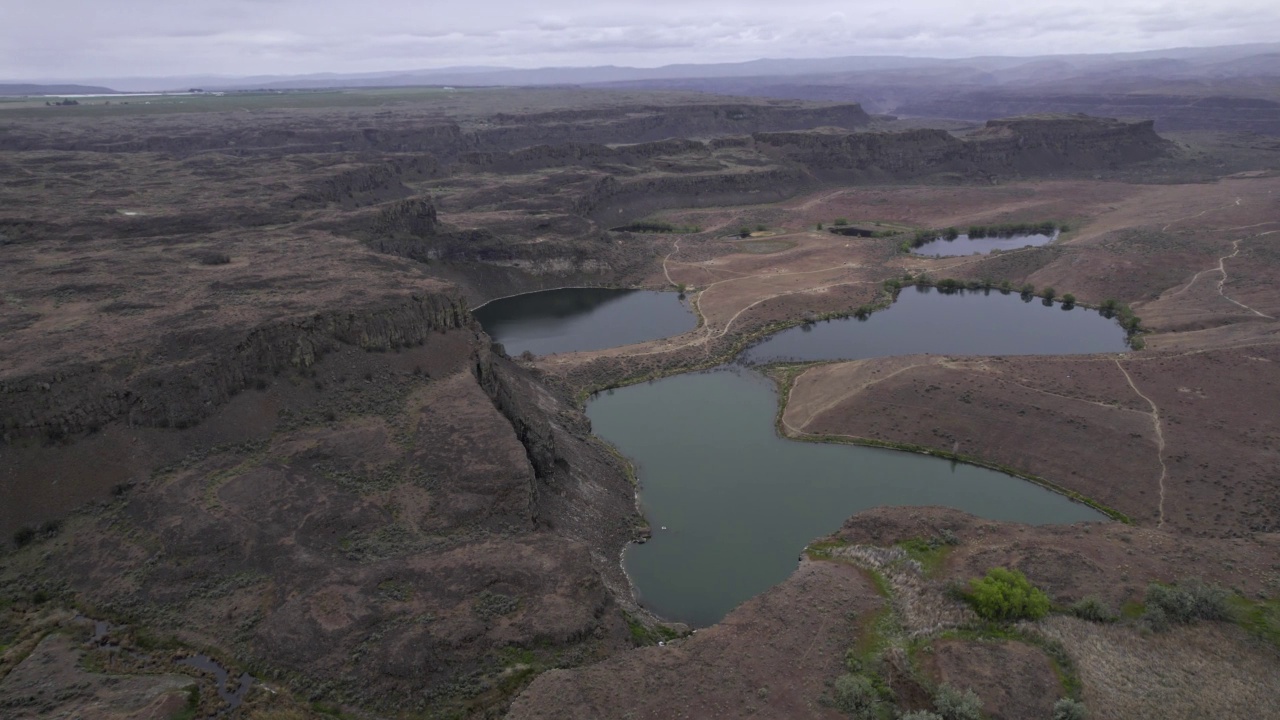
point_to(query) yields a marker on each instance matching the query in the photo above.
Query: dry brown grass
(1211, 670)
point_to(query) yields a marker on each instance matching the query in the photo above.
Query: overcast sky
(68, 39)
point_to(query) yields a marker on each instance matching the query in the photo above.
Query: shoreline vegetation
(1003, 230)
(657, 227)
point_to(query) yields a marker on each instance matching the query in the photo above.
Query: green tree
(1048, 294)
(1068, 301)
(1006, 594)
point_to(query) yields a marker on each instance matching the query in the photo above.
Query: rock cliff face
(1171, 112)
(646, 124)
(612, 200)
(1043, 145)
(424, 131)
(193, 373)
(357, 186)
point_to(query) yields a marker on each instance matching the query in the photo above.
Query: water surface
(574, 319)
(965, 245)
(924, 320)
(739, 503)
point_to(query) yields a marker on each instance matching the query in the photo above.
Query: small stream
(233, 697)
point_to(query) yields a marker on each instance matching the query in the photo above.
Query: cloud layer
(68, 39)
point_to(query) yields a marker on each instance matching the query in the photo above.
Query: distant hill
(10, 90)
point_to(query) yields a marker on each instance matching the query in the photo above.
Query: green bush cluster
(1010, 229)
(857, 696)
(981, 231)
(1006, 594)
(952, 704)
(1068, 709)
(1092, 609)
(1184, 604)
(653, 226)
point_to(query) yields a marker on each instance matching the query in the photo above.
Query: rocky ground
(247, 413)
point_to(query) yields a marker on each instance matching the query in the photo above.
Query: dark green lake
(732, 504)
(924, 320)
(575, 319)
(965, 245)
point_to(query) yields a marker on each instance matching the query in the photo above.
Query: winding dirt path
(1222, 268)
(667, 259)
(1155, 421)
(1171, 223)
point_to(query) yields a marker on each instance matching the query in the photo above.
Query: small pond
(924, 320)
(965, 245)
(575, 319)
(732, 504)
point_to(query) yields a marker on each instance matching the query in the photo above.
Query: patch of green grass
(150, 640)
(642, 634)
(188, 711)
(822, 550)
(875, 632)
(1132, 610)
(1261, 617)
(930, 554)
(512, 656)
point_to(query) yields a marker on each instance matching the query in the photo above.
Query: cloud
(79, 38)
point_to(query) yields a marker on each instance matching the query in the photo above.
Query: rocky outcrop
(637, 124)
(1170, 112)
(541, 157)
(414, 217)
(611, 199)
(1039, 145)
(354, 187)
(191, 374)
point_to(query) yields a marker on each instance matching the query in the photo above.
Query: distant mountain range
(1256, 60)
(20, 89)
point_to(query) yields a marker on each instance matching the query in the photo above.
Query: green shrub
(841, 221)
(215, 258)
(1068, 709)
(1007, 595)
(952, 704)
(1028, 290)
(919, 715)
(1068, 300)
(857, 696)
(1092, 609)
(1188, 602)
(1048, 293)
(23, 536)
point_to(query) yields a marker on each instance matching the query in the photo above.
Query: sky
(78, 39)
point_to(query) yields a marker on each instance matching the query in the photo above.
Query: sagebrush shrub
(953, 704)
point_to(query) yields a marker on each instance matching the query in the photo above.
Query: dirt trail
(1155, 421)
(1222, 268)
(667, 259)
(1171, 223)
